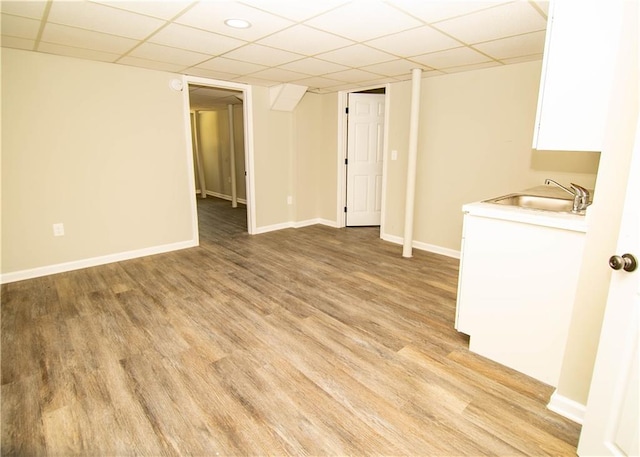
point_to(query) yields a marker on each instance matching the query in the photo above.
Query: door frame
(343, 103)
(247, 107)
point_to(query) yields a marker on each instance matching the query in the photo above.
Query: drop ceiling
(327, 45)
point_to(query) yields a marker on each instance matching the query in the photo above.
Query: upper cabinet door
(580, 49)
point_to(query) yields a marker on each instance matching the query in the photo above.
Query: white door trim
(342, 154)
(247, 107)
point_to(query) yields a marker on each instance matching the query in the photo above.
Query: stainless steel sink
(558, 205)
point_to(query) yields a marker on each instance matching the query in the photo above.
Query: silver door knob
(627, 262)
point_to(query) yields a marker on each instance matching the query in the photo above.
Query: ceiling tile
(318, 82)
(236, 67)
(521, 45)
(295, 10)
(494, 23)
(544, 6)
(100, 18)
(32, 9)
(451, 58)
(160, 9)
(167, 54)
(79, 53)
(211, 15)
(312, 66)
(363, 20)
(278, 74)
(353, 75)
(213, 74)
(477, 66)
(437, 10)
(153, 64)
(520, 59)
(305, 40)
(19, 27)
(257, 81)
(262, 55)
(393, 68)
(462, 35)
(414, 42)
(17, 43)
(71, 36)
(356, 56)
(180, 36)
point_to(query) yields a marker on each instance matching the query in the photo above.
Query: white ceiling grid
(328, 45)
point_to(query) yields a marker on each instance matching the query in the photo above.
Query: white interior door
(365, 140)
(611, 420)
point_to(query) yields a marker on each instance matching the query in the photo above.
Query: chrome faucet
(581, 196)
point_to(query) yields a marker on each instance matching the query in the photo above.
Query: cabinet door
(517, 288)
(580, 48)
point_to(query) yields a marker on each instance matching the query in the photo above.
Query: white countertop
(566, 221)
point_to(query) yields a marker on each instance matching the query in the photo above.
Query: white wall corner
(566, 407)
(285, 97)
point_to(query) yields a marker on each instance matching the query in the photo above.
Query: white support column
(232, 159)
(416, 79)
(198, 154)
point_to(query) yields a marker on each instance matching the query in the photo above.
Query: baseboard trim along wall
(223, 196)
(566, 407)
(92, 262)
(424, 246)
(291, 224)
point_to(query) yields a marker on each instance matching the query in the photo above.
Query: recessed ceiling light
(238, 23)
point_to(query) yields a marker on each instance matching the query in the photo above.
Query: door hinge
(345, 209)
(346, 110)
(346, 161)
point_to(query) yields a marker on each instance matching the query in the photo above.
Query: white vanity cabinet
(577, 70)
(516, 290)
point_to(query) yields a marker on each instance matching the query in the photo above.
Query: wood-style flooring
(312, 341)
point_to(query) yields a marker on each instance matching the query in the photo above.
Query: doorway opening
(222, 157)
(362, 168)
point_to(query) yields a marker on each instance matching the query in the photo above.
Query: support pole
(198, 154)
(416, 79)
(232, 159)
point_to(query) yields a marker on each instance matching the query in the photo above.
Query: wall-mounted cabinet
(579, 56)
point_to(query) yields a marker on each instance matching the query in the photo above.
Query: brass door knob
(627, 262)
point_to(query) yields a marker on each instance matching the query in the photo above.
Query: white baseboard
(423, 246)
(224, 197)
(291, 224)
(273, 228)
(92, 262)
(315, 221)
(566, 407)
(328, 223)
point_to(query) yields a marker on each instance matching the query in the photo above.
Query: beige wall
(99, 147)
(315, 141)
(273, 153)
(475, 139)
(307, 140)
(326, 163)
(213, 130)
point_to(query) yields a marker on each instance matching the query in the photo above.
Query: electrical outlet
(289, 200)
(58, 229)
(394, 155)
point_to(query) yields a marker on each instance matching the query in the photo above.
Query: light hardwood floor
(312, 341)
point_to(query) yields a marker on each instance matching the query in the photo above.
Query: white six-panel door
(365, 141)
